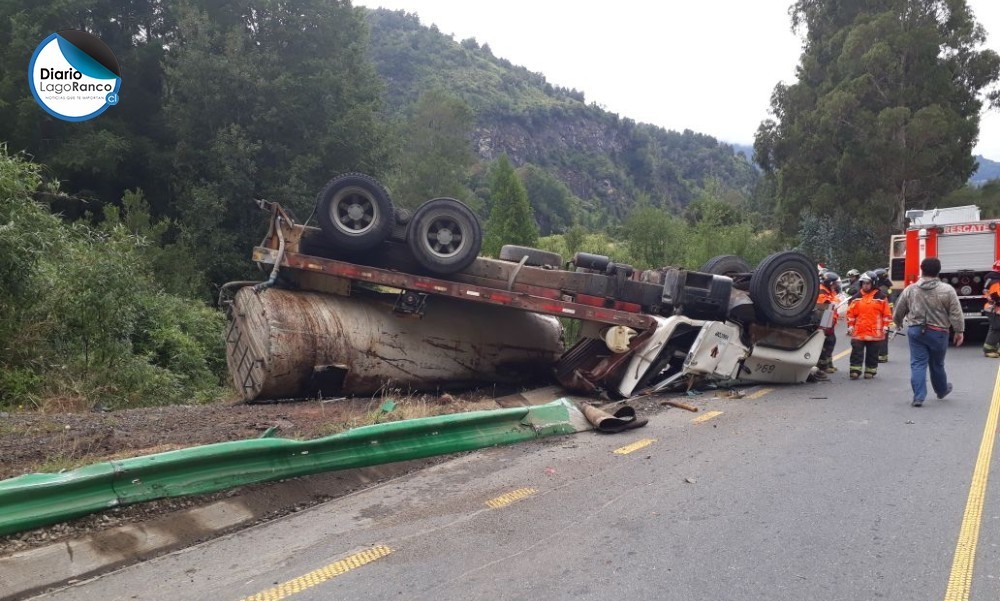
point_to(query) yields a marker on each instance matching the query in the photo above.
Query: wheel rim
(353, 212)
(789, 289)
(444, 237)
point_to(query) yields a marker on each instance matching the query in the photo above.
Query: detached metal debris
(622, 419)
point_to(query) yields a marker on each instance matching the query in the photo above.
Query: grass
(61, 462)
(406, 406)
(41, 427)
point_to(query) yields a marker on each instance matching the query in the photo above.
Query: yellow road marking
(960, 580)
(759, 393)
(842, 354)
(635, 446)
(706, 417)
(507, 499)
(307, 581)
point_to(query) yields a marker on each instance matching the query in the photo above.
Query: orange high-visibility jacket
(826, 295)
(869, 314)
(991, 289)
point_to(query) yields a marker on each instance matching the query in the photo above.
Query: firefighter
(868, 319)
(852, 282)
(829, 288)
(991, 290)
(884, 284)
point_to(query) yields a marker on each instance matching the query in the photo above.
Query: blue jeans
(927, 349)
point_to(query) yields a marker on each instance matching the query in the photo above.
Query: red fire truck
(966, 245)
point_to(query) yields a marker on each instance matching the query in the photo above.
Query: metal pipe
(277, 264)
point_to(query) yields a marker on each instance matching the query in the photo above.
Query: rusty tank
(283, 344)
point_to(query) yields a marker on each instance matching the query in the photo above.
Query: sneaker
(946, 392)
(869, 376)
(917, 402)
(855, 375)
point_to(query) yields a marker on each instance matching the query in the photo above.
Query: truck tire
(444, 236)
(355, 211)
(536, 257)
(727, 265)
(784, 288)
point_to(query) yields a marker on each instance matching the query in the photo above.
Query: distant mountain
(606, 160)
(986, 171)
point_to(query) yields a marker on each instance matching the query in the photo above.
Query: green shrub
(83, 314)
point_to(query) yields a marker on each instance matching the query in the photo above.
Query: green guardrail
(35, 500)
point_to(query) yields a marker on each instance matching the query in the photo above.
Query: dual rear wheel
(356, 214)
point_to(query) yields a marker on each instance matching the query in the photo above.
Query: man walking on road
(927, 308)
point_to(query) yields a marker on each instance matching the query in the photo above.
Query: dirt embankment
(53, 442)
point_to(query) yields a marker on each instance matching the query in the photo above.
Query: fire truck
(966, 245)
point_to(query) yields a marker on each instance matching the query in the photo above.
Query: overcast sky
(707, 66)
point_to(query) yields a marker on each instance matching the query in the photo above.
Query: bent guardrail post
(35, 500)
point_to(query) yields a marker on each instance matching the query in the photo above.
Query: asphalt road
(834, 490)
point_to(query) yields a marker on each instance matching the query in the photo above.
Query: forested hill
(986, 170)
(607, 160)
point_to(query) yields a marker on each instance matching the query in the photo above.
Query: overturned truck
(377, 297)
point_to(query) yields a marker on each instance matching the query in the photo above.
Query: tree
(552, 202)
(98, 159)
(653, 237)
(82, 313)
(437, 153)
(265, 100)
(511, 220)
(884, 114)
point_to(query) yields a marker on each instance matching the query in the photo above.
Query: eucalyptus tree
(884, 113)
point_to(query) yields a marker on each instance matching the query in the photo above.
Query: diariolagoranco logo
(74, 75)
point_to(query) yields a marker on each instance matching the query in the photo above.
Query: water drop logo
(74, 76)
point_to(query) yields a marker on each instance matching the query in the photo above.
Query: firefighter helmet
(832, 280)
(866, 277)
(853, 273)
(881, 272)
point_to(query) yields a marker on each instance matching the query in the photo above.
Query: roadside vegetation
(84, 322)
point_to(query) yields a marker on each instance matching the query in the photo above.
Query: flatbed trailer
(520, 296)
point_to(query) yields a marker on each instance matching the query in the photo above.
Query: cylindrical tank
(291, 344)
